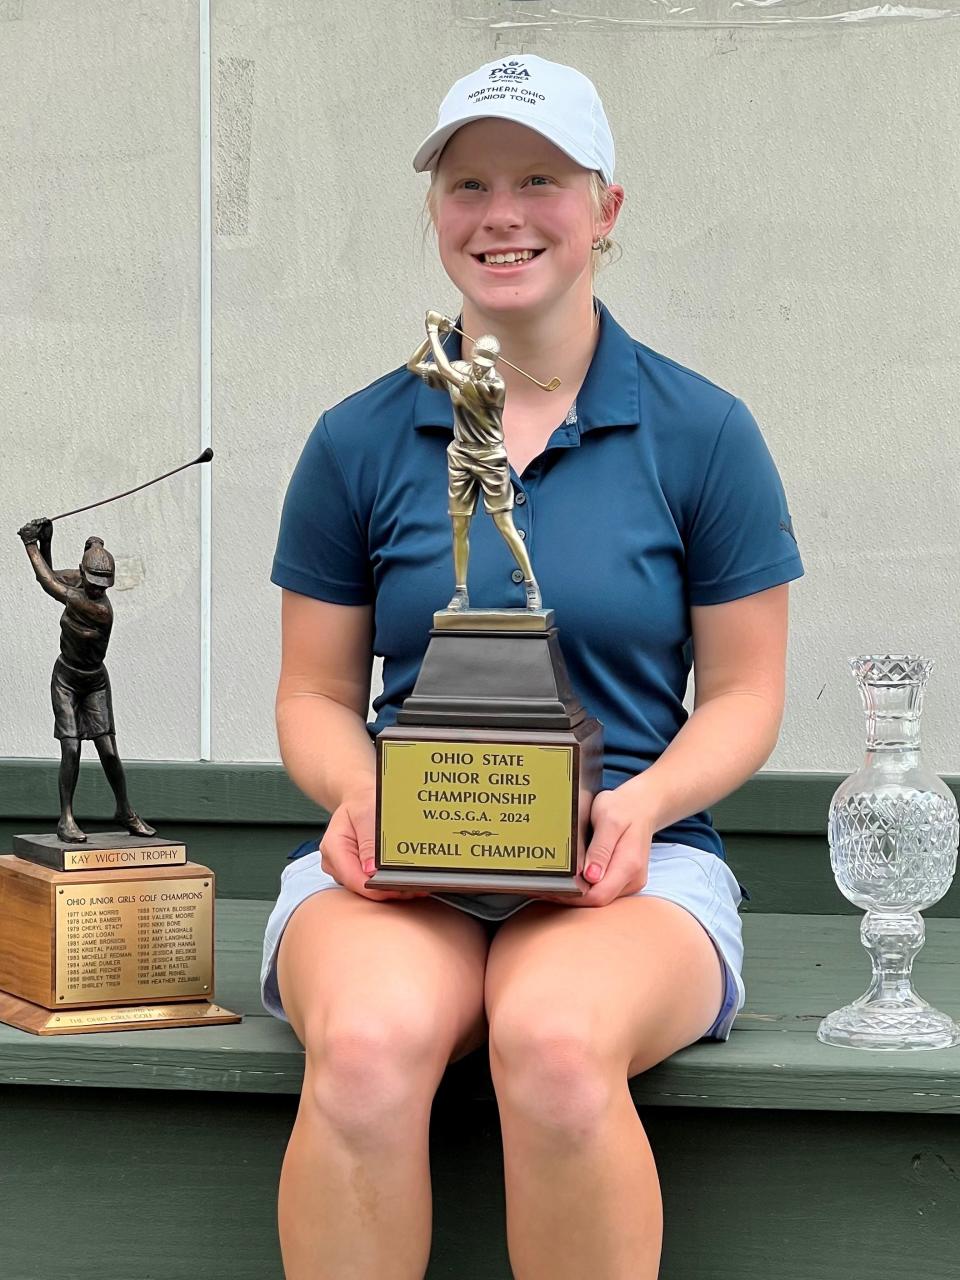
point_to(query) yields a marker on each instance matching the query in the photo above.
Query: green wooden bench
(157, 1153)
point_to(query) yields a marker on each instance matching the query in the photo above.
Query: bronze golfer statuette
(106, 931)
(484, 783)
(80, 687)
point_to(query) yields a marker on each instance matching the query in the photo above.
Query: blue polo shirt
(655, 493)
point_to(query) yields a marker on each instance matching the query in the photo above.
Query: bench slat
(798, 968)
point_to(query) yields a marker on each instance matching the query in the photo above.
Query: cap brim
(429, 151)
(99, 579)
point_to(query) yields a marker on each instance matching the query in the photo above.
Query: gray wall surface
(99, 280)
(789, 232)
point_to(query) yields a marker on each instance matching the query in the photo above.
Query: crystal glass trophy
(893, 835)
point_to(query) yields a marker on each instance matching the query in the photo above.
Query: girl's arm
(322, 701)
(322, 698)
(739, 666)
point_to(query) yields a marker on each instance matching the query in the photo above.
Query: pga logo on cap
(510, 71)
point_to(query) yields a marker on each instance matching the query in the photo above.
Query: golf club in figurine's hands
(111, 931)
(484, 784)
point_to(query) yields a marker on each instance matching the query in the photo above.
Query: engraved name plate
(131, 940)
(133, 1015)
(168, 855)
(102, 851)
(491, 806)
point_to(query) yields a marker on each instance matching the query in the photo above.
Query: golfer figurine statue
(492, 690)
(80, 686)
(476, 457)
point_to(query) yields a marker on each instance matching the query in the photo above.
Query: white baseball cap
(556, 101)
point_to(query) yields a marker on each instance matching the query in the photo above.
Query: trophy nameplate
(102, 851)
(96, 950)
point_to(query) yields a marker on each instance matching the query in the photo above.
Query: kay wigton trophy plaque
(485, 782)
(105, 931)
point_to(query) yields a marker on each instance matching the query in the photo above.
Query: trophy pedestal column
(485, 783)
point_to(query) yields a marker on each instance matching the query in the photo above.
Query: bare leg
(382, 995)
(106, 746)
(640, 979)
(504, 522)
(67, 828)
(461, 555)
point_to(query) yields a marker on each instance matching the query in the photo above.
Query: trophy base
(105, 949)
(885, 1026)
(464, 882)
(485, 782)
(39, 1021)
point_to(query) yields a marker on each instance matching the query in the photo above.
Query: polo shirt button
(517, 575)
(521, 498)
(522, 533)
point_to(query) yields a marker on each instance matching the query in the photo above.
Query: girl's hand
(348, 846)
(620, 848)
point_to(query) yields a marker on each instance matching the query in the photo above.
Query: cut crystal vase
(893, 847)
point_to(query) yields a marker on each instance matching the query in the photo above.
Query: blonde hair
(598, 191)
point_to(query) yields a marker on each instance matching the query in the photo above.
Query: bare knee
(547, 1071)
(371, 1077)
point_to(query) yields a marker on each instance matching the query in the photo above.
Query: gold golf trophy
(110, 931)
(484, 784)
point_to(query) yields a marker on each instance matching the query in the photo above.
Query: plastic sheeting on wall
(618, 16)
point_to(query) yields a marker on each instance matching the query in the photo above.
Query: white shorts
(699, 882)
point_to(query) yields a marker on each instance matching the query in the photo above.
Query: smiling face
(514, 218)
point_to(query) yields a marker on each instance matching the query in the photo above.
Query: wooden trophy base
(106, 949)
(39, 1021)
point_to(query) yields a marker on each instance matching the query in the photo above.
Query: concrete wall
(99, 275)
(790, 232)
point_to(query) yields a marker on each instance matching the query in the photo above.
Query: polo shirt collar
(609, 397)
